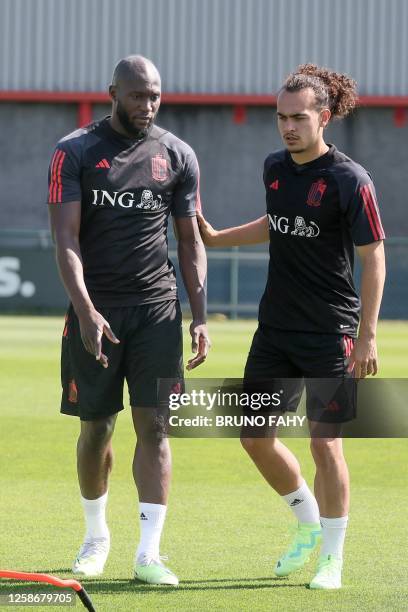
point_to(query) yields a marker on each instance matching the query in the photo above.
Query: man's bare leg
(277, 464)
(95, 456)
(152, 458)
(332, 490)
(332, 487)
(281, 470)
(152, 475)
(94, 464)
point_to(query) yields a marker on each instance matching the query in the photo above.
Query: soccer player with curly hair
(320, 205)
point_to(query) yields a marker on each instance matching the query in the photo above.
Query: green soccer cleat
(308, 536)
(153, 571)
(328, 574)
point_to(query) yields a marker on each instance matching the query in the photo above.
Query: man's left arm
(193, 266)
(363, 358)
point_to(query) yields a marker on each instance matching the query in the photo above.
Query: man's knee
(151, 426)
(153, 442)
(326, 451)
(256, 446)
(97, 434)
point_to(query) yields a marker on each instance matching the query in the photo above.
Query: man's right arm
(65, 223)
(254, 232)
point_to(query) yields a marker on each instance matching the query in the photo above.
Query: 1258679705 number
(34, 597)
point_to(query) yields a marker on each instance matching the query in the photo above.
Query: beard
(127, 124)
(296, 148)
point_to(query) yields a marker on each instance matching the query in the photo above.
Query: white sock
(303, 504)
(333, 534)
(94, 510)
(151, 526)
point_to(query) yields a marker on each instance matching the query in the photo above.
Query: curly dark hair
(333, 90)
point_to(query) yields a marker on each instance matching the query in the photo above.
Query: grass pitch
(225, 527)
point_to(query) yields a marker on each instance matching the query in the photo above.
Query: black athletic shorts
(151, 347)
(287, 361)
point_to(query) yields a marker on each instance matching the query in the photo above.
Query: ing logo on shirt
(301, 228)
(147, 201)
(127, 199)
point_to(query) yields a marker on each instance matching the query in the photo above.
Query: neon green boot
(308, 537)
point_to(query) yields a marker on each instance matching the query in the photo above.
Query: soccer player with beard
(112, 186)
(320, 204)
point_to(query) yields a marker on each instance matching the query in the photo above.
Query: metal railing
(237, 276)
(235, 257)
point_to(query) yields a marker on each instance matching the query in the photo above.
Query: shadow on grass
(121, 585)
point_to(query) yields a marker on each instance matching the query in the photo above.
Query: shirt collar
(323, 161)
(120, 137)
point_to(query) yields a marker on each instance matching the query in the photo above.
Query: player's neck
(311, 154)
(118, 127)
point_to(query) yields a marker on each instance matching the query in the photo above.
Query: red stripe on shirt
(55, 174)
(54, 177)
(51, 176)
(375, 211)
(364, 193)
(371, 205)
(58, 175)
(59, 178)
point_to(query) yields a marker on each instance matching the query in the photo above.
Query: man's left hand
(363, 358)
(200, 344)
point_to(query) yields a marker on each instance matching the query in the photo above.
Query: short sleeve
(64, 173)
(265, 172)
(186, 197)
(362, 212)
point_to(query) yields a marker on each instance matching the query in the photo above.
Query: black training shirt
(316, 212)
(127, 189)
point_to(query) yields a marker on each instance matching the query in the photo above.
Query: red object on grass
(54, 580)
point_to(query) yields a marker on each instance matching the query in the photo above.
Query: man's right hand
(254, 232)
(93, 326)
(208, 233)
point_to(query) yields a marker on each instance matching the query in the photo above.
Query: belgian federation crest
(159, 168)
(316, 193)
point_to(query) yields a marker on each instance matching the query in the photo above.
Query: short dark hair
(133, 65)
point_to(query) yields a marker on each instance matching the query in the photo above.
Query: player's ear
(112, 92)
(325, 115)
